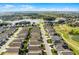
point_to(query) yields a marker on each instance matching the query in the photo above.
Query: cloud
(10, 7)
(27, 6)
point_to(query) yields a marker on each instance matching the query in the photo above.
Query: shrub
(49, 41)
(54, 52)
(74, 32)
(43, 46)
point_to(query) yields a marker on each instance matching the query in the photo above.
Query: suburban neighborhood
(39, 31)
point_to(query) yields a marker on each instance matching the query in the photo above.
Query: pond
(75, 37)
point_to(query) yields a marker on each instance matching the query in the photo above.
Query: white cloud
(8, 6)
(27, 6)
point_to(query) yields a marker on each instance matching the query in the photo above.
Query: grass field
(64, 30)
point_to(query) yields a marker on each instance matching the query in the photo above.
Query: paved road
(48, 48)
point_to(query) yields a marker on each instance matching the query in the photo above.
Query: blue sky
(8, 7)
